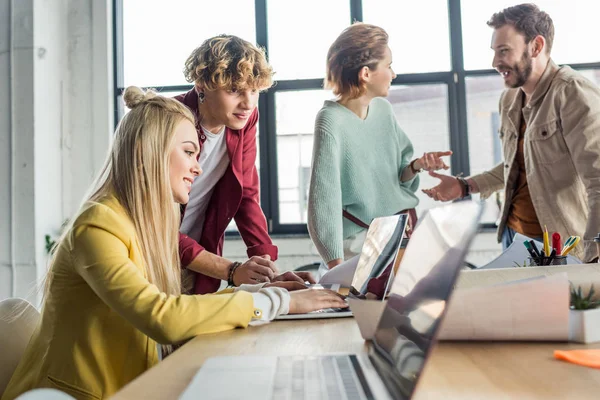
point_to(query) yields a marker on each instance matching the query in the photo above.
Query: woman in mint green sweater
(361, 158)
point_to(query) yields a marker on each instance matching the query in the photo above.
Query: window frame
(455, 79)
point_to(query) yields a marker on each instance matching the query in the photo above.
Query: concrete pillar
(55, 124)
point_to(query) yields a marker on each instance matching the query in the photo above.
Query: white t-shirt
(214, 160)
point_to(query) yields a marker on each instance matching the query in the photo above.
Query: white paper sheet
(517, 253)
(341, 274)
(531, 309)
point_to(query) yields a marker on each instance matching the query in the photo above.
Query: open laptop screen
(420, 292)
(379, 249)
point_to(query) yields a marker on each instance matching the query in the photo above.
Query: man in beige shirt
(550, 133)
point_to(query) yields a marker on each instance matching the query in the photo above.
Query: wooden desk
(455, 370)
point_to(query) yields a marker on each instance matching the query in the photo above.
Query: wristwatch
(465, 185)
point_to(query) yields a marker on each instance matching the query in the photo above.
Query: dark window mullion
(423, 78)
(271, 173)
(356, 11)
(459, 141)
(297, 84)
(266, 151)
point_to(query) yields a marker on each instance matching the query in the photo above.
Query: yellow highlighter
(546, 242)
(573, 241)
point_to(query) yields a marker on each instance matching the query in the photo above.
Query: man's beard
(521, 71)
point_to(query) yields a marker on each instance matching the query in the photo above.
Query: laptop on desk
(402, 343)
(379, 250)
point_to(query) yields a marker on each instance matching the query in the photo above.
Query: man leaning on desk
(550, 133)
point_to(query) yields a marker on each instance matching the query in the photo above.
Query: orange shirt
(522, 217)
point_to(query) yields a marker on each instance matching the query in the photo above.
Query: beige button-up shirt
(562, 155)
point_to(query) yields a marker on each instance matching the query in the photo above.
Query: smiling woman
(184, 165)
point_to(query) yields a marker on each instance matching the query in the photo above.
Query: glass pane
(295, 112)
(485, 149)
(157, 38)
(411, 54)
(300, 34)
(422, 113)
(574, 20)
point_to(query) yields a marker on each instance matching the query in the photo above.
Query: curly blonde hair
(228, 62)
(360, 45)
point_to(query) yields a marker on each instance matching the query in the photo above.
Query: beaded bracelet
(232, 269)
(412, 167)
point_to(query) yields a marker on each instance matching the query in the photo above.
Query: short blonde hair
(360, 45)
(228, 62)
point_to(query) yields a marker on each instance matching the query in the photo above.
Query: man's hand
(255, 270)
(448, 189)
(299, 277)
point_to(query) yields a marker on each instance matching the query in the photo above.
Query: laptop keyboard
(314, 378)
(330, 310)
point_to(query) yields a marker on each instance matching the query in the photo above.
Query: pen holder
(540, 261)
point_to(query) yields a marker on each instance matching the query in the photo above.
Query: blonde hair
(228, 62)
(360, 45)
(136, 172)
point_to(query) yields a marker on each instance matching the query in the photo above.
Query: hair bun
(134, 96)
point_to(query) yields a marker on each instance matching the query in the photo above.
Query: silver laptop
(380, 249)
(402, 343)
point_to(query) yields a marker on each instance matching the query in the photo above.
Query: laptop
(380, 249)
(400, 348)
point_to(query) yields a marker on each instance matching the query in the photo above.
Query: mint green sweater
(356, 166)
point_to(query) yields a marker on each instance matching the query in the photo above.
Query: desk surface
(455, 371)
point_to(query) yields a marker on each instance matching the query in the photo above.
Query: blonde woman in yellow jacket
(113, 291)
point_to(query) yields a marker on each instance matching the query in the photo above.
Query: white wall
(55, 124)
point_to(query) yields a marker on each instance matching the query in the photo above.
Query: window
(418, 43)
(300, 34)
(441, 100)
(157, 39)
(483, 121)
(574, 21)
(422, 113)
(296, 112)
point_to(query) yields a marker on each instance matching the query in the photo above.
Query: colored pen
(567, 244)
(535, 249)
(529, 249)
(556, 242)
(546, 242)
(551, 257)
(571, 246)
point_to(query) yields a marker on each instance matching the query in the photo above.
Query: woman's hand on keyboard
(304, 301)
(290, 286)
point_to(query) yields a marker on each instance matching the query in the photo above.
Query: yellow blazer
(102, 319)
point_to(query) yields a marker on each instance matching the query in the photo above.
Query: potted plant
(584, 317)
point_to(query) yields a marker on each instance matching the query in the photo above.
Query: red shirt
(236, 195)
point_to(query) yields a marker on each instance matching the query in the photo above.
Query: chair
(18, 319)
(44, 394)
